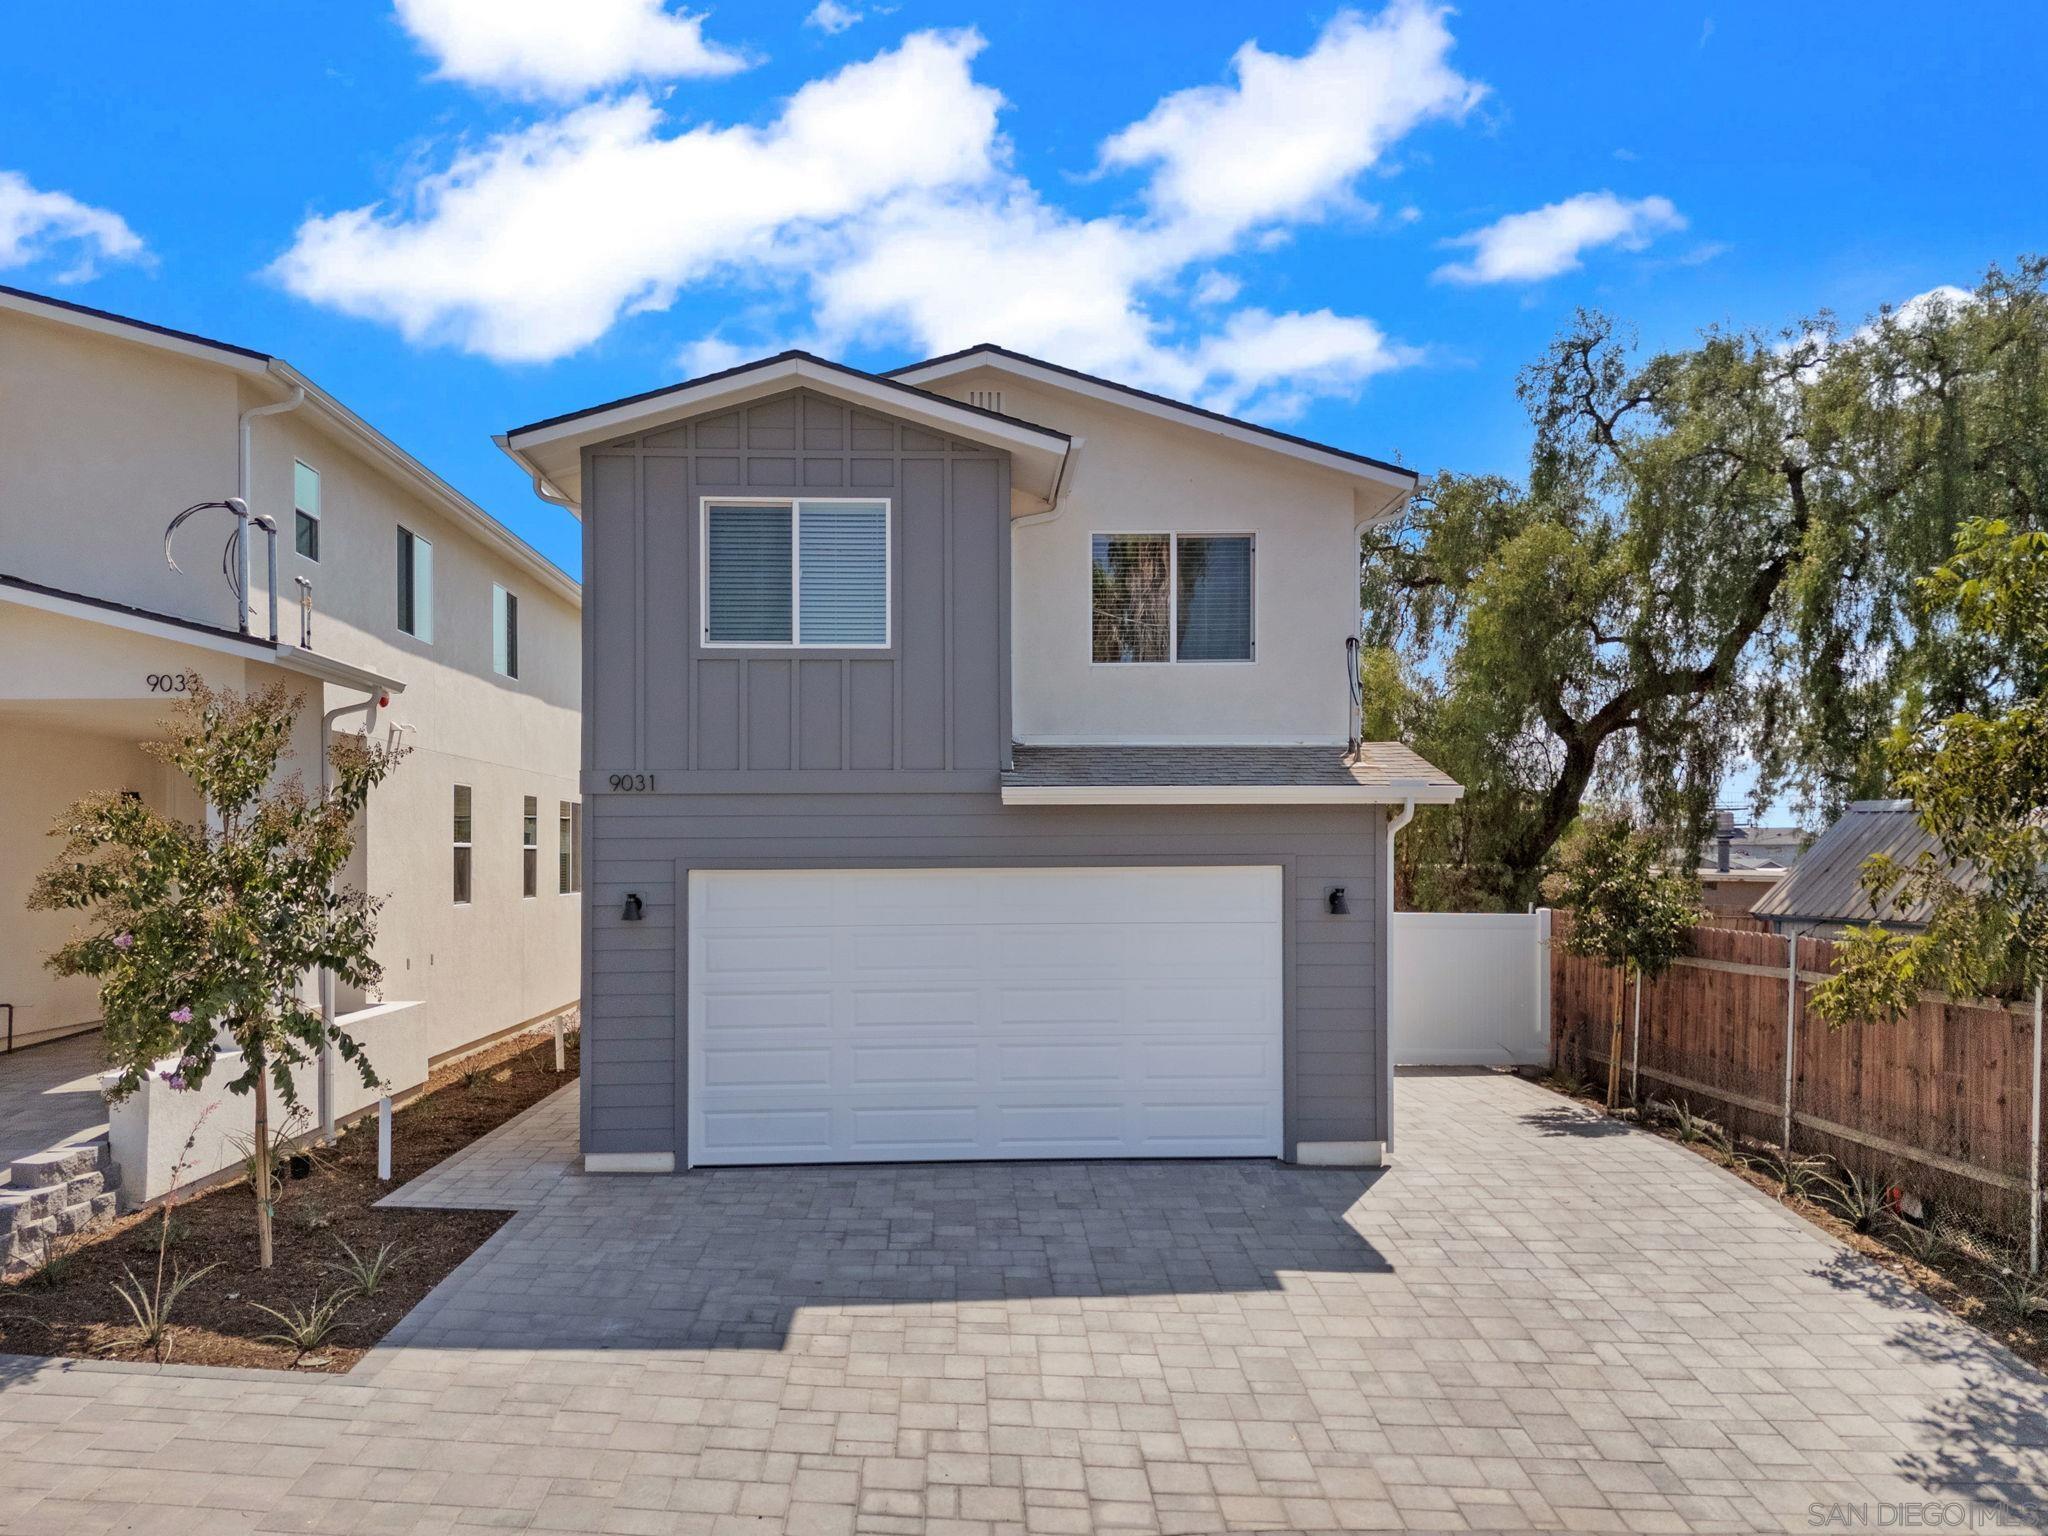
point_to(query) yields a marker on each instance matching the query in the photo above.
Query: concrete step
(54, 1194)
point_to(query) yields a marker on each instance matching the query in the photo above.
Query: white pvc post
(561, 1060)
(1635, 1050)
(2034, 1146)
(1791, 1031)
(384, 1139)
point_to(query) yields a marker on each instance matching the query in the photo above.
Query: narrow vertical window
(569, 849)
(462, 844)
(529, 847)
(306, 509)
(504, 632)
(415, 585)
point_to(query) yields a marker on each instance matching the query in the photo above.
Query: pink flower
(174, 1078)
(124, 941)
(181, 1015)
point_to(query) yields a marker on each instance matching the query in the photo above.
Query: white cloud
(714, 354)
(1528, 247)
(37, 225)
(879, 208)
(1288, 139)
(546, 48)
(535, 244)
(829, 16)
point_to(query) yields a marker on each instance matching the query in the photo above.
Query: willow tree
(1714, 556)
(201, 934)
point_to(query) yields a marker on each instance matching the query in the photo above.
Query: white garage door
(895, 1015)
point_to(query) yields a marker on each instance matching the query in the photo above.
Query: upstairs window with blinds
(811, 573)
(1161, 597)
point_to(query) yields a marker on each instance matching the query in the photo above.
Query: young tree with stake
(202, 934)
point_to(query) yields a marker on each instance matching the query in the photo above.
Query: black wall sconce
(634, 910)
(1339, 906)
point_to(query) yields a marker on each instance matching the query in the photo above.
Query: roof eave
(1232, 794)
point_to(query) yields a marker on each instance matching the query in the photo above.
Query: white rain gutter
(368, 706)
(243, 474)
(1395, 823)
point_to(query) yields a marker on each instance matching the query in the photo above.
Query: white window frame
(509, 610)
(463, 845)
(422, 591)
(313, 516)
(796, 505)
(1173, 656)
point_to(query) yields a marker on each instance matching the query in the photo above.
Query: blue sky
(459, 215)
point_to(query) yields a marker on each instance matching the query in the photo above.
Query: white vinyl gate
(1471, 988)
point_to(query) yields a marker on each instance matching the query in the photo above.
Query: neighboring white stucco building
(108, 428)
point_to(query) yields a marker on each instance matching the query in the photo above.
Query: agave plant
(365, 1275)
(1932, 1241)
(1857, 1200)
(151, 1306)
(1798, 1177)
(1694, 1128)
(308, 1327)
(2023, 1295)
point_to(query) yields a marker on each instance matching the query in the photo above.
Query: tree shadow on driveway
(1987, 1438)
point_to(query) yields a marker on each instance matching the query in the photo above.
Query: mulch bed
(1960, 1284)
(71, 1308)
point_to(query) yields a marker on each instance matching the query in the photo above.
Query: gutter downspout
(327, 1117)
(1394, 824)
(244, 435)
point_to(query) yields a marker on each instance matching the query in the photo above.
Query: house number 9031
(168, 682)
(633, 783)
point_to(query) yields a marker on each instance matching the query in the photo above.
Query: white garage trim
(863, 1015)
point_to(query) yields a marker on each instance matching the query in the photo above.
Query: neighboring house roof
(1825, 885)
(1396, 477)
(551, 450)
(22, 592)
(281, 377)
(1379, 773)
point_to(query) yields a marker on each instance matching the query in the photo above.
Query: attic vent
(986, 399)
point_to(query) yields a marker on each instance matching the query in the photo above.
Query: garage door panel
(894, 1066)
(984, 1013)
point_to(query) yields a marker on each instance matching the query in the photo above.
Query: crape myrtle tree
(1715, 555)
(201, 934)
(1976, 770)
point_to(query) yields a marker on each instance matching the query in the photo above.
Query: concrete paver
(1534, 1321)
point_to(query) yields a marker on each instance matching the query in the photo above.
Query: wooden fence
(1939, 1104)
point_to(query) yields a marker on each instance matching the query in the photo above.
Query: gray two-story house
(971, 771)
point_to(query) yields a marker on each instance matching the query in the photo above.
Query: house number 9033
(168, 682)
(633, 783)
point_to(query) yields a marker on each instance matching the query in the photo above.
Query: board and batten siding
(934, 703)
(635, 1088)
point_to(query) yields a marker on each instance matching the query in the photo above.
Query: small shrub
(308, 1327)
(151, 1309)
(1932, 1241)
(2021, 1295)
(310, 1216)
(1859, 1201)
(366, 1275)
(1798, 1177)
(472, 1079)
(57, 1267)
(1694, 1129)
(1562, 1079)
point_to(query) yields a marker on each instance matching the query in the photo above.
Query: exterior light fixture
(634, 909)
(1339, 906)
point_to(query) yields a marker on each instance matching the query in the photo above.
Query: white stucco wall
(1136, 474)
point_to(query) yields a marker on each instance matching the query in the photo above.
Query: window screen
(529, 847)
(505, 631)
(569, 851)
(415, 585)
(306, 510)
(1214, 598)
(1132, 578)
(844, 574)
(749, 595)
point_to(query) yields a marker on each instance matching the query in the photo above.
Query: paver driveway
(1532, 1322)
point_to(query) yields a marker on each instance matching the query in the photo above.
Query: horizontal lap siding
(1336, 1039)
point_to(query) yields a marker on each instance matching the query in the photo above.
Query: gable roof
(279, 376)
(1019, 364)
(550, 450)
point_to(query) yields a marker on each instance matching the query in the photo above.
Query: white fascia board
(326, 669)
(552, 453)
(1165, 411)
(421, 481)
(1228, 794)
(136, 333)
